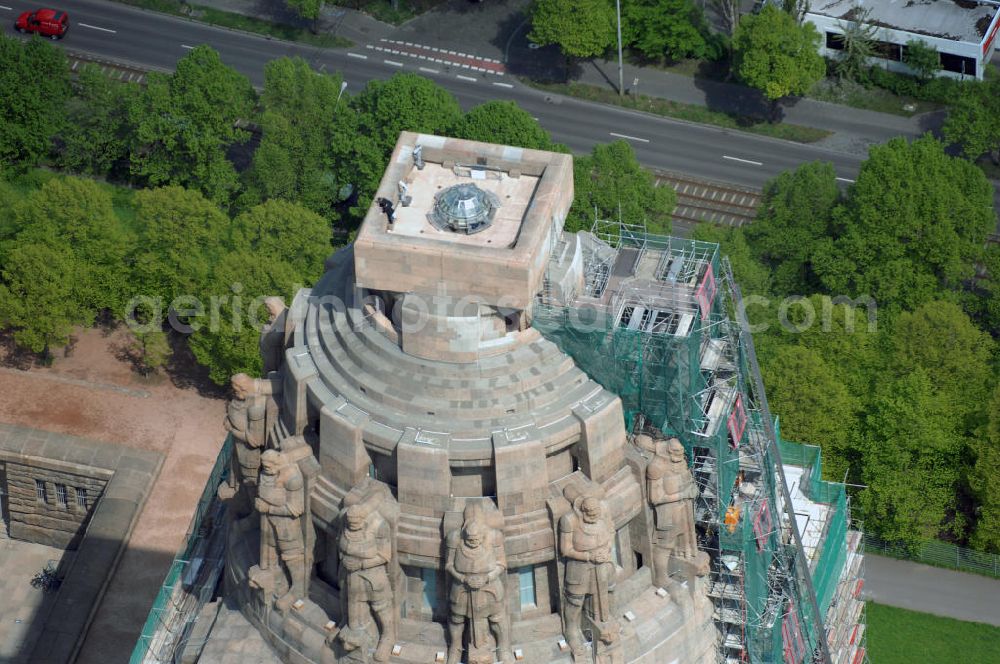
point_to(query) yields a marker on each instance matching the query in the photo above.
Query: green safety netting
(660, 377)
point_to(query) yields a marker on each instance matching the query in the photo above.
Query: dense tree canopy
(34, 86)
(184, 122)
(671, 29)
(76, 217)
(973, 120)
(581, 28)
(183, 234)
(97, 133)
(815, 406)
(39, 299)
(794, 215)
(612, 184)
(281, 231)
(293, 160)
(775, 54)
(912, 456)
(916, 220)
(984, 477)
(503, 122)
(226, 341)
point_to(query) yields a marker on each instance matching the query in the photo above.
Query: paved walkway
(932, 590)
(23, 609)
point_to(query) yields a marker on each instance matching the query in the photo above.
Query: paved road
(932, 590)
(156, 40)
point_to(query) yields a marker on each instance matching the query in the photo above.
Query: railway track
(704, 200)
(118, 70)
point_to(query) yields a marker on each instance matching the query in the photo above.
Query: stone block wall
(70, 492)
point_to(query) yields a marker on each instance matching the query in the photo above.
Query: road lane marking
(466, 78)
(846, 180)
(360, 56)
(742, 161)
(630, 138)
(7, 8)
(503, 85)
(187, 47)
(393, 63)
(428, 70)
(94, 27)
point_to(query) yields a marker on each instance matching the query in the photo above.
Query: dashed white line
(503, 85)
(466, 78)
(94, 27)
(428, 70)
(630, 138)
(6, 8)
(846, 180)
(742, 161)
(360, 56)
(187, 47)
(393, 63)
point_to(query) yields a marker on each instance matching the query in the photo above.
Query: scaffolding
(659, 323)
(192, 579)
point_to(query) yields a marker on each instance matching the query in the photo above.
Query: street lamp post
(621, 77)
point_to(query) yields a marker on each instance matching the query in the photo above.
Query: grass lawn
(689, 112)
(240, 22)
(898, 636)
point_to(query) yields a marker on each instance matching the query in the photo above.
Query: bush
(939, 90)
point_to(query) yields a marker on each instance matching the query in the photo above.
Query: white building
(962, 31)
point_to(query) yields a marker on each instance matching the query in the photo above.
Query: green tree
(814, 405)
(984, 477)
(183, 235)
(306, 8)
(365, 136)
(973, 120)
(185, 122)
(227, 340)
(773, 53)
(505, 123)
(989, 306)
(845, 335)
(38, 296)
(405, 102)
(859, 44)
(34, 86)
(581, 28)
(151, 349)
(794, 216)
(910, 462)
(76, 217)
(612, 182)
(916, 221)
(281, 231)
(671, 29)
(97, 134)
(941, 339)
(753, 277)
(922, 58)
(293, 160)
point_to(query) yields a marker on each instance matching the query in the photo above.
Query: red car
(50, 23)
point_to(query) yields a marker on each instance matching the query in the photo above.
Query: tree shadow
(544, 64)
(13, 356)
(744, 104)
(185, 373)
(932, 122)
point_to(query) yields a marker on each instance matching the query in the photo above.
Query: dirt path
(94, 393)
